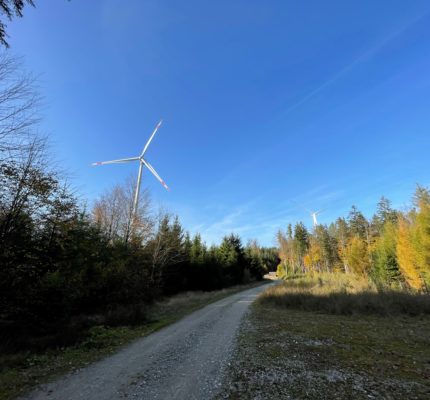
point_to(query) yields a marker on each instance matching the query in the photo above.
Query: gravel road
(185, 360)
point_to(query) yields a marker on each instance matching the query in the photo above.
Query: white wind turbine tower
(314, 217)
(313, 214)
(142, 162)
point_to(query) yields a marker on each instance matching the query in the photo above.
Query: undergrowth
(98, 336)
(343, 294)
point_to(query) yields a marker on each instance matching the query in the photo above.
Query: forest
(392, 249)
(105, 293)
(60, 259)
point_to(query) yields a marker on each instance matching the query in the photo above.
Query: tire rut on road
(185, 360)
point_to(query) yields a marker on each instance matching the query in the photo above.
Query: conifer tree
(357, 223)
(342, 235)
(197, 251)
(11, 8)
(384, 212)
(385, 271)
(301, 243)
(231, 257)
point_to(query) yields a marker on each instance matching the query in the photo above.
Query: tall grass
(343, 294)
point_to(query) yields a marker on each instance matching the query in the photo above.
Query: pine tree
(357, 223)
(11, 8)
(342, 235)
(231, 257)
(385, 271)
(197, 251)
(328, 247)
(384, 212)
(301, 243)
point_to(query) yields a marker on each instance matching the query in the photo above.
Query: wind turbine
(142, 162)
(314, 217)
(312, 213)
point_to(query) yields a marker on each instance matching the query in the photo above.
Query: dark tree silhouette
(10, 9)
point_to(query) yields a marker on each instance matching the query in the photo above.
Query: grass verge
(20, 372)
(344, 294)
(290, 352)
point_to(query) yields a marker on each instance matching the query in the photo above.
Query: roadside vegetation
(351, 316)
(21, 371)
(333, 336)
(392, 248)
(344, 294)
(72, 274)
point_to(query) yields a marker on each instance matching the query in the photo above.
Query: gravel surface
(186, 360)
(293, 355)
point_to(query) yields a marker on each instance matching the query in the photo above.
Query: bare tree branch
(19, 107)
(113, 213)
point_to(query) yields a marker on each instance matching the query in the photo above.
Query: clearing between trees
(330, 336)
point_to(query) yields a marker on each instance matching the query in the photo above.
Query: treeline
(392, 248)
(60, 260)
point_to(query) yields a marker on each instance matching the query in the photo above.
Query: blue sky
(266, 105)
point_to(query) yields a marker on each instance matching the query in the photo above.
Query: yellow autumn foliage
(357, 255)
(421, 239)
(407, 255)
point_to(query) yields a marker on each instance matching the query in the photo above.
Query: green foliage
(392, 248)
(328, 246)
(357, 223)
(384, 213)
(421, 234)
(385, 270)
(198, 251)
(281, 271)
(61, 264)
(301, 239)
(58, 263)
(231, 256)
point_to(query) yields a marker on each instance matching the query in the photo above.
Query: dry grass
(301, 341)
(21, 371)
(343, 294)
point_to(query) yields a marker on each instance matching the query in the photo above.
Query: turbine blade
(154, 172)
(150, 139)
(115, 161)
(301, 206)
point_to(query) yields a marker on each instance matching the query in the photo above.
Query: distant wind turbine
(142, 163)
(313, 214)
(314, 217)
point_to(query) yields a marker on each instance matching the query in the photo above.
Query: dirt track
(186, 360)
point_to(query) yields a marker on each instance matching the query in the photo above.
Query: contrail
(367, 54)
